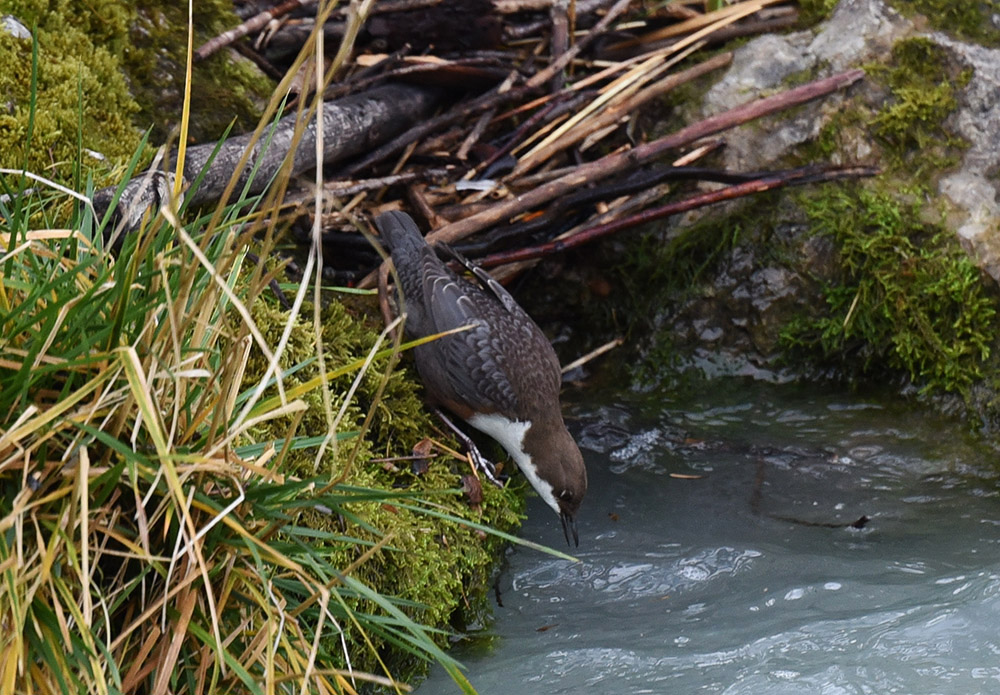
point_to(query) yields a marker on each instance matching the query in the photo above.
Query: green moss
(968, 19)
(225, 88)
(922, 79)
(909, 298)
(681, 264)
(441, 568)
(78, 44)
(108, 71)
(814, 11)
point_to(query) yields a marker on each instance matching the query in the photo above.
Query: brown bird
(501, 376)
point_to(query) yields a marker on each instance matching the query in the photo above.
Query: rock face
(733, 321)
(859, 31)
(973, 187)
(733, 326)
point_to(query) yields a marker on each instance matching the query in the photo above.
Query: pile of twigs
(535, 136)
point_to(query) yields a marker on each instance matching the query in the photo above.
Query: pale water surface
(739, 580)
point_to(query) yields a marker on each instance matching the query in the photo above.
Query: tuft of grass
(165, 517)
(139, 551)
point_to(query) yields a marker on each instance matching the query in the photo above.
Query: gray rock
(12, 25)
(973, 188)
(859, 31)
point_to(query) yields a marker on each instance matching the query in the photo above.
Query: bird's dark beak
(569, 524)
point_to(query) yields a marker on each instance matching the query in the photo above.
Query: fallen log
(352, 125)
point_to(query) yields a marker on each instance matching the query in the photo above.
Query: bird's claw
(485, 466)
(476, 458)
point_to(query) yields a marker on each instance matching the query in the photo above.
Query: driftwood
(351, 125)
(632, 158)
(496, 97)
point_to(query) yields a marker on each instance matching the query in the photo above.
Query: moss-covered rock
(972, 20)
(106, 72)
(80, 96)
(849, 281)
(907, 296)
(923, 80)
(225, 88)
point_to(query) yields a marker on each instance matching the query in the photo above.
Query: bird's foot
(484, 465)
(479, 462)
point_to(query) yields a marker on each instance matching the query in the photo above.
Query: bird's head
(561, 466)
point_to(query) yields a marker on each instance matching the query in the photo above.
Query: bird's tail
(400, 233)
(412, 257)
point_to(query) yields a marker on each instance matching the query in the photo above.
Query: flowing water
(717, 553)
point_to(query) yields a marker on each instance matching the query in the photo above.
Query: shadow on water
(717, 553)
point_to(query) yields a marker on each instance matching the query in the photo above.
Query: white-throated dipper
(501, 376)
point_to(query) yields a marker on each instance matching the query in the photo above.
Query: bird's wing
(487, 281)
(473, 361)
(516, 320)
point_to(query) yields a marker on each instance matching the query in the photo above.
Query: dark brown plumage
(501, 376)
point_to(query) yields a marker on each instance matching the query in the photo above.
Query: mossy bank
(442, 570)
(91, 77)
(80, 90)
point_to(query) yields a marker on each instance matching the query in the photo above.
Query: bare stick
(350, 126)
(248, 27)
(593, 354)
(729, 193)
(630, 159)
(348, 188)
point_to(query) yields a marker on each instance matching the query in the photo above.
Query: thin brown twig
(475, 134)
(255, 23)
(593, 354)
(340, 187)
(618, 162)
(559, 41)
(701, 200)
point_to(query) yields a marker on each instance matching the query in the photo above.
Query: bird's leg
(483, 464)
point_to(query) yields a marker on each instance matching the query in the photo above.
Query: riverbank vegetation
(203, 489)
(178, 511)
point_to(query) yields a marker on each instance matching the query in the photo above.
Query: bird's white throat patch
(510, 434)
